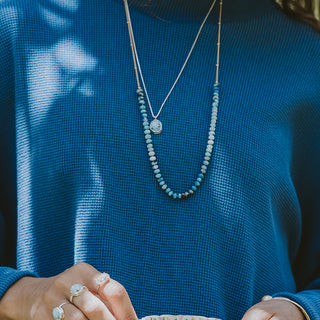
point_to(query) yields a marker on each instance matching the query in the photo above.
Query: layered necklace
(155, 127)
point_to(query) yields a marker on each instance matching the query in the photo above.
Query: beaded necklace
(156, 126)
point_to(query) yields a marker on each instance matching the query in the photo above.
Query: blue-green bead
(153, 158)
(191, 191)
(199, 179)
(203, 171)
(179, 195)
(148, 136)
(156, 171)
(160, 179)
(158, 175)
(164, 187)
(155, 167)
(200, 175)
(194, 188)
(170, 193)
(143, 111)
(204, 167)
(147, 131)
(197, 183)
(174, 196)
(162, 183)
(168, 190)
(206, 163)
(149, 141)
(151, 153)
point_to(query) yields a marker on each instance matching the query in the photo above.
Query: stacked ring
(76, 290)
(102, 279)
(58, 313)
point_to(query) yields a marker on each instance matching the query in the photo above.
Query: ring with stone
(102, 279)
(76, 290)
(58, 313)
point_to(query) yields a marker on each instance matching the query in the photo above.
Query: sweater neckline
(193, 11)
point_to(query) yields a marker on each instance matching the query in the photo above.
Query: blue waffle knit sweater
(76, 183)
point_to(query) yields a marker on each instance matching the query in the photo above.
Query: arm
(306, 177)
(8, 275)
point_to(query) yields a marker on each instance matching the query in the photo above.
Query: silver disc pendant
(156, 126)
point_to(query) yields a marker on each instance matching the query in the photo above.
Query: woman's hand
(274, 310)
(35, 298)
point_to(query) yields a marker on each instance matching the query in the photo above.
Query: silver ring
(76, 290)
(102, 279)
(58, 313)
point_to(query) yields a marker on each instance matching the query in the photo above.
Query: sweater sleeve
(8, 273)
(306, 264)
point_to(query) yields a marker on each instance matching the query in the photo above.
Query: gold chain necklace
(156, 126)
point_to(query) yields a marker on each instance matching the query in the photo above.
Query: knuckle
(47, 297)
(92, 308)
(35, 312)
(117, 290)
(81, 266)
(39, 312)
(60, 281)
(76, 315)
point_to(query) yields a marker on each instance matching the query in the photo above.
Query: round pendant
(156, 126)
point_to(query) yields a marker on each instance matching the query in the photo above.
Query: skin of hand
(35, 298)
(274, 310)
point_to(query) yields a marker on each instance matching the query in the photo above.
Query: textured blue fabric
(74, 160)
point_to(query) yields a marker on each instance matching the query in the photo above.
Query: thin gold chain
(131, 44)
(218, 43)
(136, 61)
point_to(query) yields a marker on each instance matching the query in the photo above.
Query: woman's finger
(71, 312)
(118, 299)
(118, 304)
(81, 273)
(92, 306)
(273, 310)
